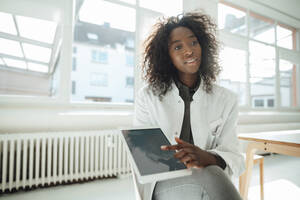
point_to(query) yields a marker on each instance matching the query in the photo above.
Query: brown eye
(178, 47)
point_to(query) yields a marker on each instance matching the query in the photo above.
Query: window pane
(15, 63)
(233, 75)
(35, 52)
(262, 71)
(22, 63)
(231, 19)
(129, 1)
(37, 67)
(284, 37)
(167, 7)
(288, 83)
(261, 28)
(99, 12)
(7, 24)
(10, 47)
(27, 27)
(104, 43)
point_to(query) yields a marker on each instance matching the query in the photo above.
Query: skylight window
(36, 29)
(10, 47)
(7, 24)
(38, 53)
(15, 63)
(37, 67)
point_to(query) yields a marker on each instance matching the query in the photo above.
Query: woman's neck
(189, 80)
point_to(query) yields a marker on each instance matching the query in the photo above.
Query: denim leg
(210, 183)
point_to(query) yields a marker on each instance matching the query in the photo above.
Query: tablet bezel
(151, 177)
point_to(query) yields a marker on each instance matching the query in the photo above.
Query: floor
(282, 181)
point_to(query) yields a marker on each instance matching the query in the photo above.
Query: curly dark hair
(157, 64)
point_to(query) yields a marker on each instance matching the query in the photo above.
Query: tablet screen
(144, 145)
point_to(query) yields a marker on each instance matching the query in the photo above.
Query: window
(261, 28)
(288, 82)
(262, 69)
(232, 19)
(29, 51)
(99, 56)
(74, 63)
(234, 76)
(74, 50)
(285, 36)
(129, 60)
(270, 103)
(105, 33)
(129, 81)
(259, 60)
(259, 103)
(73, 87)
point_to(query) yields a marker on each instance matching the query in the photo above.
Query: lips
(192, 60)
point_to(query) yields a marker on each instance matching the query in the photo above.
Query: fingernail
(163, 147)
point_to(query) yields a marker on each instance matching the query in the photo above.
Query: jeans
(209, 183)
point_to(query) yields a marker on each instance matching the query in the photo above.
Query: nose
(188, 52)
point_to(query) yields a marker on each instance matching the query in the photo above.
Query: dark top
(186, 95)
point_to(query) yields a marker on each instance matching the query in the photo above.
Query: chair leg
(261, 166)
(240, 182)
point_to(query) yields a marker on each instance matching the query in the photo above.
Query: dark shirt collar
(184, 91)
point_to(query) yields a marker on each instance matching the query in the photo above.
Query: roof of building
(103, 35)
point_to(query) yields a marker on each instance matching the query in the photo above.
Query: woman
(198, 117)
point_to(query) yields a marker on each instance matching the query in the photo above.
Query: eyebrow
(175, 41)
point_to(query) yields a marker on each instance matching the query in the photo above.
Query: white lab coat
(213, 123)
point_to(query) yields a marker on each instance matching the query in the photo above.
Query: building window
(259, 103)
(98, 79)
(74, 64)
(270, 103)
(129, 82)
(74, 50)
(129, 60)
(73, 87)
(100, 56)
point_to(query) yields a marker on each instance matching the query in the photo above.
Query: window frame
(64, 96)
(241, 42)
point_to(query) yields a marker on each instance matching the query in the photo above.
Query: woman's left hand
(191, 155)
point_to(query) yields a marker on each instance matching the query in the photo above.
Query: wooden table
(281, 142)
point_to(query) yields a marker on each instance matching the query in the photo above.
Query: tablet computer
(149, 162)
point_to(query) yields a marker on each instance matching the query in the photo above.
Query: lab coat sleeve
(227, 141)
(141, 113)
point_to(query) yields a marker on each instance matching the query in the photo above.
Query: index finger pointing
(182, 143)
(169, 147)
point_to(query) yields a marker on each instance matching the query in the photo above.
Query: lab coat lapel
(174, 106)
(199, 120)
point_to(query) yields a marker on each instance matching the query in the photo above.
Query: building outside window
(73, 87)
(105, 36)
(257, 44)
(74, 63)
(129, 82)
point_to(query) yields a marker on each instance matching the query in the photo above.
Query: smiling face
(185, 52)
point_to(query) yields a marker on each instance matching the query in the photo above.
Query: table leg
(246, 177)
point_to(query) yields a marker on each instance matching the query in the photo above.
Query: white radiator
(38, 159)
